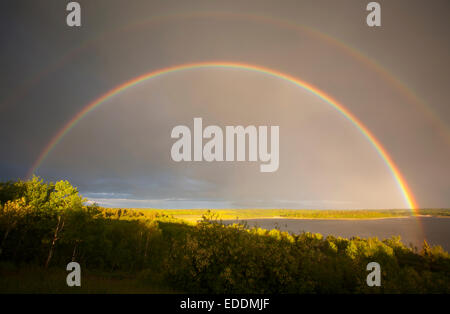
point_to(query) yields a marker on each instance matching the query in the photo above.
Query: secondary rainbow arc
(288, 24)
(401, 182)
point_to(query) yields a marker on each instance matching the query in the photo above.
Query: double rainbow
(406, 192)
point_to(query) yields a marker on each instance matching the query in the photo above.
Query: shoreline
(330, 218)
(196, 219)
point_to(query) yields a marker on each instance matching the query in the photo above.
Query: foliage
(50, 224)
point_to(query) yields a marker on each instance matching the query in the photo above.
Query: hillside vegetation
(43, 226)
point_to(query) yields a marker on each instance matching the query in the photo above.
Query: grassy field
(193, 215)
(34, 279)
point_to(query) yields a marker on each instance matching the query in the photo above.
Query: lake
(436, 229)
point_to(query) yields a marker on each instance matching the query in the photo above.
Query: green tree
(10, 215)
(62, 199)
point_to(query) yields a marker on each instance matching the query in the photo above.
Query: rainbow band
(408, 196)
(438, 123)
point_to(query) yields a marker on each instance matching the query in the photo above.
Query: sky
(393, 78)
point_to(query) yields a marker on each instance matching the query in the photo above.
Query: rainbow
(438, 123)
(406, 192)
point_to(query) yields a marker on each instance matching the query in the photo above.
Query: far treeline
(44, 226)
(227, 214)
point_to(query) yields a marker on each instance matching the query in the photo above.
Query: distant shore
(195, 218)
(321, 218)
(339, 218)
(194, 215)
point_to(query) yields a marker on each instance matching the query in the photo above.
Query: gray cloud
(120, 153)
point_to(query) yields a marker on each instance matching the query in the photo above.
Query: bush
(44, 224)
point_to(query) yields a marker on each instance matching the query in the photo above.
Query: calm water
(437, 230)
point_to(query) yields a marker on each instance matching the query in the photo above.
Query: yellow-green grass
(193, 215)
(35, 279)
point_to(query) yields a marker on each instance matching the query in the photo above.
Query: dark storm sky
(119, 154)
